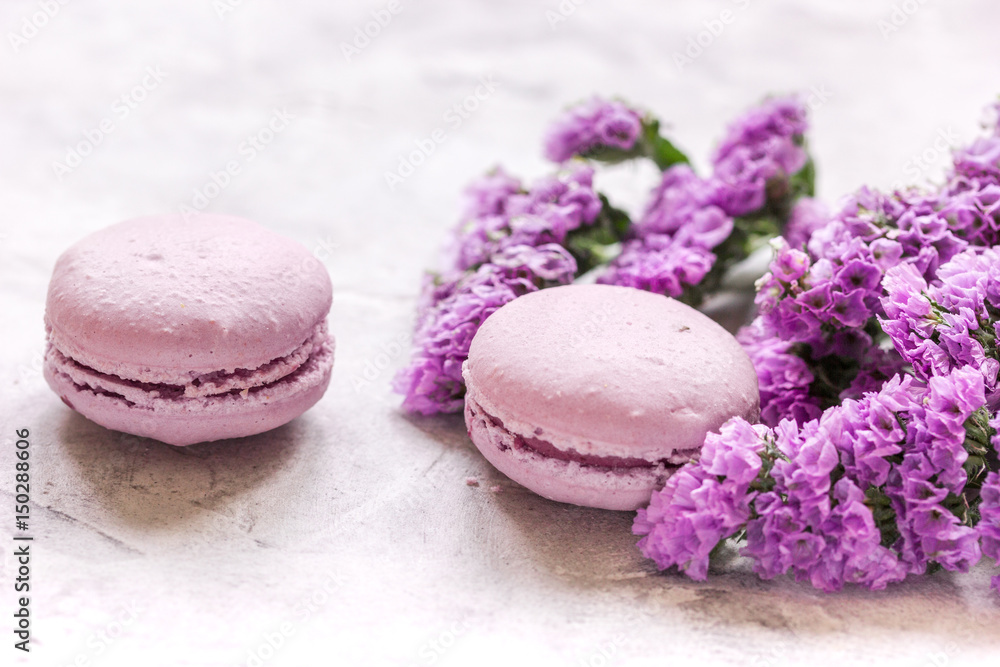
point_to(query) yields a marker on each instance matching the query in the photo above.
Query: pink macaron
(188, 329)
(595, 394)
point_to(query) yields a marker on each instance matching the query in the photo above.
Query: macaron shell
(562, 481)
(610, 371)
(186, 421)
(158, 298)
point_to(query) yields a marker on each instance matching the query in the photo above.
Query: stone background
(351, 532)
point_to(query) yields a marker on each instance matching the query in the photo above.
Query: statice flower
(829, 308)
(836, 286)
(807, 216)
(783, 377)
(591, 126)
(488, 195)
(704, 502)
(693, 229)
(783, 117)
(811, 526)
(672, 249)
(659, 263)
(980, 160)
(778, 489)
(972, 208)
(501, 213)
(951, 323)
(822, 311)
(678, 199)
(432, 382)
(761, 152)
(870, 431)
(932, 471)
(870, 491)
(989, 522)
(989, 509)
(841, 288)
(875, 348)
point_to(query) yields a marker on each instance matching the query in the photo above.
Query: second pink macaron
(595, 394)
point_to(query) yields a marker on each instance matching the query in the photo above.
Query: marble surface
(350, 536)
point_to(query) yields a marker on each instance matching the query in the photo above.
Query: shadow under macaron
(593, 553)
(145, 482)
(574, 542)
(584, 543)
(448, 430)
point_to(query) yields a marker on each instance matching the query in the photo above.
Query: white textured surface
(219, 546)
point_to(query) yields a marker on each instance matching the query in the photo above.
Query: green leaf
(803, 182)
(660, 149)
(600, 242)
(649, 144)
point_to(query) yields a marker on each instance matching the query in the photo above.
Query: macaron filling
(546, 449)
(138, 393)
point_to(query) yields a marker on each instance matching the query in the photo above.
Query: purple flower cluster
(988, 527)
(677, 240)
(818, 304)
(807, 216)
(455, 308)
(875, 343)
(811, 524)
(659, 263)
(826, 298)
(760, 153)
(703, 503)
(950, 323)
(500, 213)
(863, 494)
(783, 377)
(864, 478)
(980, 161)
(933, 469)
(989, 522)
(674, 238)
(592, 125)
(822, 295)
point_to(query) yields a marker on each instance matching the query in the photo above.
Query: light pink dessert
(595, 394)
(188, 330)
